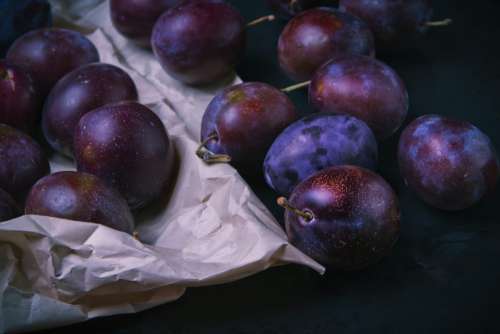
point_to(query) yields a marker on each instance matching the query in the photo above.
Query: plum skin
(450, 164)
(20, 102)
(127, 146)
(246, 119)
(135, 18)
(316, 142)
(199, 41)
(355, 218)
(317, 35)
(287, 9)
(50, 53)
(362, 87)
(8, 207)
(79, 92)
(79, 196)
(22, 162)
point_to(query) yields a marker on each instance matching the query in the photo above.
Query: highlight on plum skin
(363, 87)
(316, 142)
(82, 197)
(8, 207)
(450, 164)
(352, 218)
(317, 35)
(287, 9)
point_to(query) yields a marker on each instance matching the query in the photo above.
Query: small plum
(363, 87)
(449, 163)
(8, 207)
(80, 196)
(286, 9)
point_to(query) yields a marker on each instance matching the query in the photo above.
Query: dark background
(444, 273)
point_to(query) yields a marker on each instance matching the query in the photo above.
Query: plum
(362, 87)
(242, 121)
(287, 9)
(316, 142)
(449, 163)
(135, 18)
(48, 54)
(79, 196)
(8, 207)
(20, 16)
(127, 146)
(317, 35)
(22, 162)
(80, 91)
(199, 41)
(345, 217)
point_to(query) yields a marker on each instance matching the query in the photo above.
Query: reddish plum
(8, 207)
(287, 9)
(362, 87)
(20, 103)
(80, 91)
(127, 146)
(344, 217)
(199, 41)
(450, 164)
(48, 54)
(243, 120)
(318, 35)
(22, 162)
(80, 196)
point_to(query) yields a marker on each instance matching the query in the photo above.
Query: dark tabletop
(444, 273)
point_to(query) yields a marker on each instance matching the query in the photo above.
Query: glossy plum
(135, 18)
(362, 87)
(245, 119)
(127, 146)
(287, 9)
(48, 54)
(80, 91)
(450, 164)
(20, 102)
(8, 207)
(80, 196)
(392, 21)
(22, 162)
(199, 41)
(317, 142)
(353, 217)
(317, 35)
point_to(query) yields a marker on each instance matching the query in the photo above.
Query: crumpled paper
(209, 229)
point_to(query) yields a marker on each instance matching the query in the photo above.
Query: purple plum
(287, 9)
(362, 87)
(8, 207)
(317, 35)
(345, 217)
(80, 91)
(317, 142)
(80, 196)
(449, 163)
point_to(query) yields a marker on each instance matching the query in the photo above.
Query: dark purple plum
(363, 87)
(450, 164)
(22, 162)
(243, 120)
(8, 207)
(392, 21)
(199, 41)
(80, 91)
(317, 35)
(345, 217)
(127, 146)
(317, 142)
(20, 102)
(80, 196)
(49, 54)
(135, 18)
(287, 9)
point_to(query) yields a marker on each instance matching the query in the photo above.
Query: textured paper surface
(210, 229)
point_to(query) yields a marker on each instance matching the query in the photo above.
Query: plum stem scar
(283, 202)
(208, 156)
(267, 18)
(441, 23)
(135, 235)
(295, 87)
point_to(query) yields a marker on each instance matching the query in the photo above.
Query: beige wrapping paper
(210, 229)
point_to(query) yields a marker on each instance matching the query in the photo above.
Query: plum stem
(283, 202)
(441, 23)
(135, 235)
(267, 18)
(295, 87)
(208, 156)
